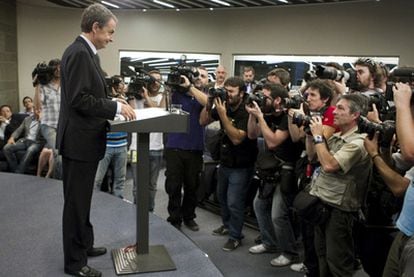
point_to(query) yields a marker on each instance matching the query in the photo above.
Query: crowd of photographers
(330, 165)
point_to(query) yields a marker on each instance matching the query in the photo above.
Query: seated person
(31, 143)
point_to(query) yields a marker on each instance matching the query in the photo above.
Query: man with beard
(237, 158)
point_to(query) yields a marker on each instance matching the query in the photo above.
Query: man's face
(6, 112)
(155, 87)
(248, 76)
(342, 114)
(234, 96)
(314, 99)
(57, 72)
(28, 104)
(202, 79)
(221, 74)
(365, 80)
(103, 36)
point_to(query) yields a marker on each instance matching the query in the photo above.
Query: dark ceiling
(194, 4)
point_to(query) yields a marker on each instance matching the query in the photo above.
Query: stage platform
(31, 231)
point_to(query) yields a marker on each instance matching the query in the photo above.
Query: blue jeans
(232, 187)
(118, 156)
(274, 222)
(155, 163)
(30, 147)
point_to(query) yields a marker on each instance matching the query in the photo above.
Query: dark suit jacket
(84, 108)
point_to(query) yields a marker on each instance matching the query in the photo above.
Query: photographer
(152, 98)
(340, 185)
(275, 169)
(184, 152)
(47, 100)
(319, 96)
(237, 157)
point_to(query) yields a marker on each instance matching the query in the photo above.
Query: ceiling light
(284, 1)
(163, 4)
(110, 4)
(211, 9)
(177, 10)
(144, 10)
(221, 2)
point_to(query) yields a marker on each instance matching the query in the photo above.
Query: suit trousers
(78, 182)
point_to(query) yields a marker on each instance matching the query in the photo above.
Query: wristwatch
(318, 139)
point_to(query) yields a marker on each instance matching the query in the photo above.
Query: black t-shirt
(243, 154)
(288, 151)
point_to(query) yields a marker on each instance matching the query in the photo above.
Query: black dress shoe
(85, 271)
(96, 251)
(192, 225)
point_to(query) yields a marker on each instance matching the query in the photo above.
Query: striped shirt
(116, 139)
(50, 99)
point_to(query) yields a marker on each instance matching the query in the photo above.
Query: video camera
(174, 78)
(44, 73)
(386, 130)
(138, 82)
(263, 101)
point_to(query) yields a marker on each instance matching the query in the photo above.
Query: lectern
(142, 257)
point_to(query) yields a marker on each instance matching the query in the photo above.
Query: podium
(141, 257)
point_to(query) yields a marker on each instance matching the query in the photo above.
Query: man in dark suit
(81, 136)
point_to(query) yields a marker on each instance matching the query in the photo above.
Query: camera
(309, 76)
(44, 73)
(136, 85)
(326, 72)
(384, 106)
(263, 101)
(301, 119)
(214, 93)
(174, 78)
(293, 102)
(386, 130)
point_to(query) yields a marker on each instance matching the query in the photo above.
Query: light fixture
(144, 10)
(110, 4)
(284, 1)
(164, 4)
(211, 9)
(177, 10)
(221, 2)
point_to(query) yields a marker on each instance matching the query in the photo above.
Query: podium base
(127, 261)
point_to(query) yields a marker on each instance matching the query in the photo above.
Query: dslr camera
(327, 72)
(293, 102)
(384, 106)
(215, 93)
(386, 130)
(263, 101)
(44, 73)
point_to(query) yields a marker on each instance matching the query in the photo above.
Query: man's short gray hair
(95, 13)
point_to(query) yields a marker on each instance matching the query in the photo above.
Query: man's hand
(373, 116)
(128, 112)
(402, 94)
(316, 126)
(254, 110)
(371, 145)
(186, 83)
(2, 119)
(220, 107)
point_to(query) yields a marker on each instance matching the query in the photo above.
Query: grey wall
(8, 54)
(359, 29)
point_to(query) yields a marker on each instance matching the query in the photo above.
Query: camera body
(263, 101)
(384, 106)
(386, 130)
(301, 120)
(293, 102)
(44, 73)
(136, 85)
(174, 77)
